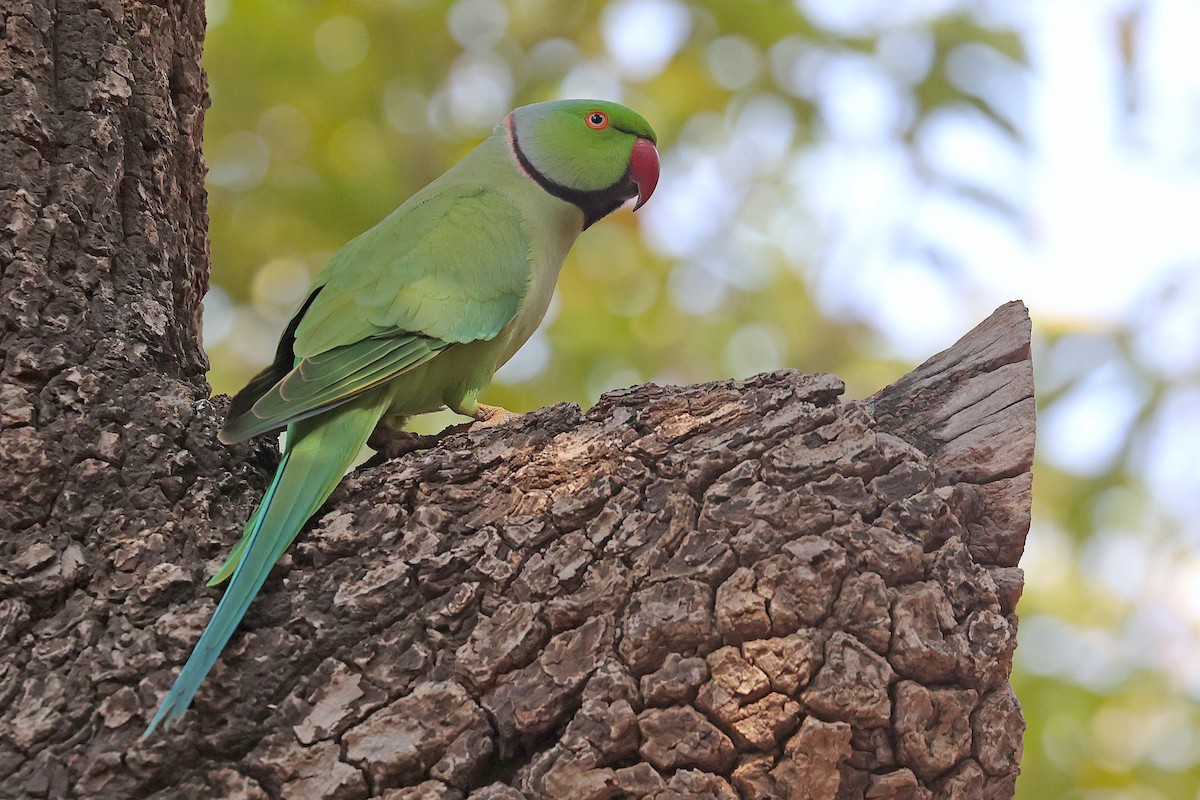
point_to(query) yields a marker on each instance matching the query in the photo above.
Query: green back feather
(450, 266)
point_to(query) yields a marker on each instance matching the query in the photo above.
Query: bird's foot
(389, 443)
(491, 416)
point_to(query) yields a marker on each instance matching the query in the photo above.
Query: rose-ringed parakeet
(416, 314)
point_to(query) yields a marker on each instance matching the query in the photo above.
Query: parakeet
(416, 314)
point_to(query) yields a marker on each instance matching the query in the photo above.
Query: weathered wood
(739, 589)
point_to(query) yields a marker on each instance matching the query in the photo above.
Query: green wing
(445, 268)
(452, 266)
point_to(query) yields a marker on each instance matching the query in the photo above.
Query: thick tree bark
(739, 589)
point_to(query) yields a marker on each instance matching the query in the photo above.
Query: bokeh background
(847, 185)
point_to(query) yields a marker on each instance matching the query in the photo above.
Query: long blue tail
(319, 451)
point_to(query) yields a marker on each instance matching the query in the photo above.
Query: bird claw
(389, 444)
(491, 416)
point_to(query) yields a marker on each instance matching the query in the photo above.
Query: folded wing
(446, 268)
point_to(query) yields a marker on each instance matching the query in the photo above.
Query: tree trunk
(739, 589)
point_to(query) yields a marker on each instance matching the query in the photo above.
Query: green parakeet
(416, 314)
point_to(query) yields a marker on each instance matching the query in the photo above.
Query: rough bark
(738, 589)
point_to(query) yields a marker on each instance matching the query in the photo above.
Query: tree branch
(744, 588)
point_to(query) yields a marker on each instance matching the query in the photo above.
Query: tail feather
(318, 454)
(235, 555)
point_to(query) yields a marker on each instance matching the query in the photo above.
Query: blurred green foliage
(325, 116)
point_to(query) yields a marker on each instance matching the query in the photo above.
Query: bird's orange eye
(597, 120)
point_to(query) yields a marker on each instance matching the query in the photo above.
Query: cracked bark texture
(745, 589)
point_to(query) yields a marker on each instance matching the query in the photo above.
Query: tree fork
(738, 589)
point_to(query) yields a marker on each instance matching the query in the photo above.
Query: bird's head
(592, 153)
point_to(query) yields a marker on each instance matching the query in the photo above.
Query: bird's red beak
(643, 170)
